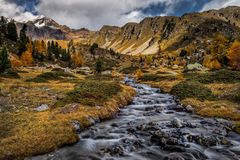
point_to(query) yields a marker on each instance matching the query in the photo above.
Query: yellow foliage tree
(40, 46)
(26, 57)
(219, 47)
(138, 74)
(211, 62)
(15, 62)
(77, 60)
(234, 55)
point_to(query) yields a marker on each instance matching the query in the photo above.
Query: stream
(153, 127)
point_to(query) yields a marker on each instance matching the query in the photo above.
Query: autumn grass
(27, 132)
(163, 79)
(214, 108)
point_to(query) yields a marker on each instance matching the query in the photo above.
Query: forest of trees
(27, 50)
(221, 52)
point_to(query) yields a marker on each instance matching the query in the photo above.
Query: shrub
(155, 77)
(98, 66)
(191, 89)
(100, 77)
(139, 74)
(93, 47)
(129, 70)
(56, 75)
(220, 76)
(90, 93)
(9, 73)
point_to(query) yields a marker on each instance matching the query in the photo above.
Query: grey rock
(41, 108)
(77, 126)
(177, 123)
(189, 108)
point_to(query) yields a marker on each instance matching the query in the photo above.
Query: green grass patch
(156, 78)
(233, 95)
(107, 63)
(129, 70)
(192, 89)
(54, 76)
(237, 127)
(9, 73)
(100, 77)
(219, 76)
(90, 93)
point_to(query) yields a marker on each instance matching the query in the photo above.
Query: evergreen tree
(52, 48)
(4, 61)
(23, 39)
(98, 66)
(34, 53)
(12, 31)
(3, 25)
(66, 55)
(93, 47)
(49, 51)
(56, 50)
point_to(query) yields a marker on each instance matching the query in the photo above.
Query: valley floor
(45, 108)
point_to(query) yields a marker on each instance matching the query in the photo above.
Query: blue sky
(95, 13)
(182, 7)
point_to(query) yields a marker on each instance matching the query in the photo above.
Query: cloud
(217, 4)
(95, 13)
(11, 10)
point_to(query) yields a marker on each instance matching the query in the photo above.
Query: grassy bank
(26, 132)
(211, 94)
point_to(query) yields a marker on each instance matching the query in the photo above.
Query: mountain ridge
(150, 36)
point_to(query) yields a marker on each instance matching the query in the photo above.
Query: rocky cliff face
(159, 34)
(151, 35)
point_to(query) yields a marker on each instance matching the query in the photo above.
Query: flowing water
(153, 127)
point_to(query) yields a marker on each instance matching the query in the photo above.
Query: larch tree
(234, 55)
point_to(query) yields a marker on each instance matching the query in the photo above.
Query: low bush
(155, 77)
(56, 75)
(192, 89)
(100, 77)
(90, 93)
(129, 70)
(9, 73)
(219, 76)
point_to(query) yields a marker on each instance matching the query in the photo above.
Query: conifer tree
(23, 39)
(56, 50)
(49, 51)
(12, 31)
(3, 25)
(4, 61)
(98, 66)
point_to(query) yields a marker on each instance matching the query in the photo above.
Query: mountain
(159, 34)
(46, 28)
(152, 35)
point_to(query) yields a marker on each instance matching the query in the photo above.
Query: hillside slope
(159, 34)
